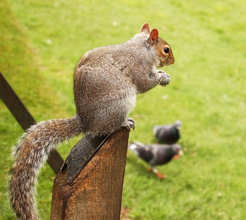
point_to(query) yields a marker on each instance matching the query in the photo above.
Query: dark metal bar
(23, 117)
(15, 106)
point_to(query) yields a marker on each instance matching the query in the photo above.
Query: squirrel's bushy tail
(31, 152)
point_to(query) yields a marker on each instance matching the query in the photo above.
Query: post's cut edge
(81, 154)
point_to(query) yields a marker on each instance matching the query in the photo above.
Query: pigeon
(156, 154)
(167, 134)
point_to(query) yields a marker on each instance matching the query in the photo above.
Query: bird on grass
(167, 134)
(156, 154)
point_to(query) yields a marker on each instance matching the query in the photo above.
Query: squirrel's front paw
(164, 78)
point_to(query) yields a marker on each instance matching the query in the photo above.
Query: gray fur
(30, 153)
(106, 82)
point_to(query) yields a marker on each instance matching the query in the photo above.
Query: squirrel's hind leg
(109, 117)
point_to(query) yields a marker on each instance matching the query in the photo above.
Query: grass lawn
(40, 43)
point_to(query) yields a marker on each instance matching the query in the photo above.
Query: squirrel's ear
(145, 28)
(153, 37)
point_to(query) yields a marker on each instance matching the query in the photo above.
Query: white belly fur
(130, 102)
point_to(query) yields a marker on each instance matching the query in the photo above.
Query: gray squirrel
(106, 82)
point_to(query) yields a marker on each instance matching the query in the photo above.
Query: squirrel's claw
(129, 124)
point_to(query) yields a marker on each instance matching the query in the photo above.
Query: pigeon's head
(177, 150)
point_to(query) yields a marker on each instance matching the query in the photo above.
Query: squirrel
(106, 82)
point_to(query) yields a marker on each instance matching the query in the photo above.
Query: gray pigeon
(167, 134)
(156, 154)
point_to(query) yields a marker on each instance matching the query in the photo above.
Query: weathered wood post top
(96, 192)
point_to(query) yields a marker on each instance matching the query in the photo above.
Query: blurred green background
(40, 43)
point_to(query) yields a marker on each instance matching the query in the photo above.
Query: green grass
(40, 43)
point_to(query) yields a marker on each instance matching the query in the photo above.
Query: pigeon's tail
(145, 152)
(178, 124)
(135, 146)
(132, 146)
(156, 128)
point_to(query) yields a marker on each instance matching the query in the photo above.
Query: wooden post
(96, 192)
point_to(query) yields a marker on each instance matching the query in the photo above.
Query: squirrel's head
(161, 48)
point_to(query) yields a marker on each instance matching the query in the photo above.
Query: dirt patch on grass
(124, 214)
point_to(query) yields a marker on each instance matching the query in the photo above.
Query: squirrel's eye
(166, 49)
